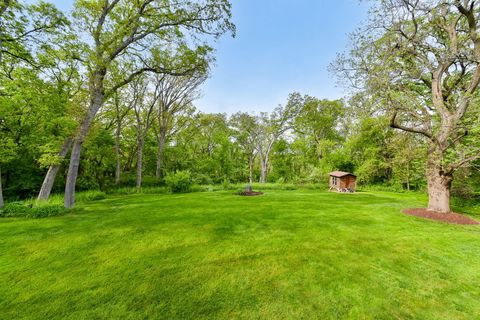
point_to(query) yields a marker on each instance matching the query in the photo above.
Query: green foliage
(33, 208)
(91, 195)
(20, 210)
(180, 181)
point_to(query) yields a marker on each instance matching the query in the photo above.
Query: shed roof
(340, 174)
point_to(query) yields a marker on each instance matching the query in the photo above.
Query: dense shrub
(18, 209)
(203, 179)
(90, 196)
(180, 181)
(33, 208)
(85, 183)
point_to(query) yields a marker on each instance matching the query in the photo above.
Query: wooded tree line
(105, 97)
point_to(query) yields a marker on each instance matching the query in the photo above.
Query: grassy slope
(287, 254)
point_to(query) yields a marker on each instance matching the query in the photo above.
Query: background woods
(105, 98)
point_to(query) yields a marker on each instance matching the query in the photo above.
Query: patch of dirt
(250, 193)
(454, 218)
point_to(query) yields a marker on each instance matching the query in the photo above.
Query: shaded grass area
(283, 255)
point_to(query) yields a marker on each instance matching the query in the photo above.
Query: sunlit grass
(288, 254)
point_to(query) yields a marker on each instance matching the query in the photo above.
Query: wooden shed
(342, 181)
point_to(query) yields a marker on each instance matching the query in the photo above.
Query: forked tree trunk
(439, 185)
(1, 191)
(161, 147)
(52, 172)
(95, 104)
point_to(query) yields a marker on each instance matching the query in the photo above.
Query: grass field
(300, 254)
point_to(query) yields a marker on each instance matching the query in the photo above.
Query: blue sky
(281, 46)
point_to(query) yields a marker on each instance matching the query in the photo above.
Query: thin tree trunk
(264, 169)
(408, 176)
(1, 190)
(139, 162)
(250, 169)
(439, 185)
(161, 147)
(117, 153)
(52, 172)
(95, 104)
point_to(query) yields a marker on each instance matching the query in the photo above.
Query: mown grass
(289, 254)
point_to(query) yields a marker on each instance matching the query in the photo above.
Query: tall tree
(61, 69)
(420, 62)
(320, 123)
(245, 132)
(7, 153)
(271, 127)
(122, 108)
(176, 95)
(145, 99)
(152, 36)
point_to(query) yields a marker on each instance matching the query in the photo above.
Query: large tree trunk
(139, 162)
(49, 180)
(439, 193)
(161, 147)
(439, 185)
(117, 153)
(1, 191)
(95, 104)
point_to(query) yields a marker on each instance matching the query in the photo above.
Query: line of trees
(86, 58)
(104, 98)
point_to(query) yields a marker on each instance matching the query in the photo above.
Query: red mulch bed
(452, 217)
(250, 193)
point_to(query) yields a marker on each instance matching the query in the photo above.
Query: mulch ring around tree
(249, 193)
(454, 218)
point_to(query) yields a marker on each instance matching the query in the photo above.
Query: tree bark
(98, 96)
(439, 185)
(161, 147)
(141, 142)
(408, 176)
(250, 169)
(52, 172)
(117, 153)
(264, 169)
(1, 190)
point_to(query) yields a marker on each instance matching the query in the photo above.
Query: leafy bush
(18, 209)
(33, 208)
(90, 196)
(180, 181)
(86, 183)
(203, 179)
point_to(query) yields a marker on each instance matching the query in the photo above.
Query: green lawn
(300, 254)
